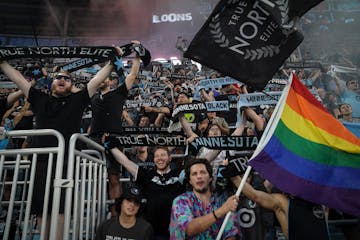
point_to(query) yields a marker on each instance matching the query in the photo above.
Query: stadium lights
(162, 60)
(175, 61)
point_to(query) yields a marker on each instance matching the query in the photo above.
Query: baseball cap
(131, 192)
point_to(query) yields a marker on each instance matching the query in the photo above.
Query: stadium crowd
(189, 204)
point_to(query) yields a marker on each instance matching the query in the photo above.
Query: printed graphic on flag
(242, 39)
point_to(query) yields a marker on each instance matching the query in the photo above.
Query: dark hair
(350, 80)
(184, 93)
(189, 163)
(342, 104)
(202, 117)
(132, 192)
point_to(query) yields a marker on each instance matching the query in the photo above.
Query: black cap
(202, 117)
(131, 192)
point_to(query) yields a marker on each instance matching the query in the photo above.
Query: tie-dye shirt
(187, 206)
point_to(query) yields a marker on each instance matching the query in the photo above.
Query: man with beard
(199, 213)
(60, 110)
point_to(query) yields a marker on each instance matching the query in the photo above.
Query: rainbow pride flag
(308, 153)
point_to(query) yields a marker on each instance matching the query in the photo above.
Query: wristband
(216, 218)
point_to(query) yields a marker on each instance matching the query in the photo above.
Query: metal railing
(84, 186)
(27, 181)
(87, 175)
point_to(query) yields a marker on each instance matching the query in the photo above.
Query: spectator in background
(346, 113)
(128, 121)
(330, 102)
(219, 121)
(144, 121)
(351, 95)
(255, 123)
(128, 224)
(107, 106)
(158, 113)
(267, 113)
(321, 79)
(228, 93)
(8, 101)
(183, 98)
(321, 93)
(19, 117)
(193, 71)
(38, 73)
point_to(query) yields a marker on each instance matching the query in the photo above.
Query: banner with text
(243, 40)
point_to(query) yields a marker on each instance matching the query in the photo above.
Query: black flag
(287, 12)
(242, 39)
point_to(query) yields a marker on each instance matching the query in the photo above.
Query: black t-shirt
(3, 106)
(306, 221)
(111, 229)
(25, 123)
(107, 111)
(231, 116)
(160, 191)
(255, 221)
(250, 220)
(62, 114)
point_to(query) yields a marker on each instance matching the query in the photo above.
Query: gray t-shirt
(111, 229)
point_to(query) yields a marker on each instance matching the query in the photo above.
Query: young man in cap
(128, 225)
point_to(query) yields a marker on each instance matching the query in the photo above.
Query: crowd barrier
(84, 187)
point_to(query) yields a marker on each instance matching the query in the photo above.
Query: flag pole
(240, 188)
(265, 137)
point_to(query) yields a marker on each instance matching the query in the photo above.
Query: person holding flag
(299, 219)
(198, 213)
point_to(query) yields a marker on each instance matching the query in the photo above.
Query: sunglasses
(66, 78)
